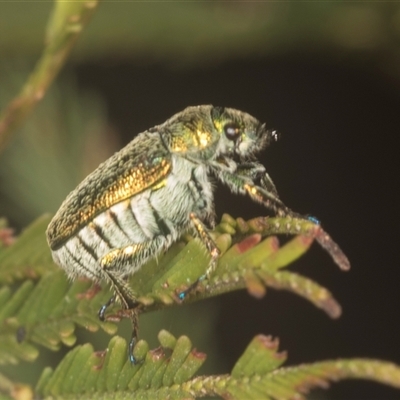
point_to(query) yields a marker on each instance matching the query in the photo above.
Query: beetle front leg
(256, 173)
(242, 181)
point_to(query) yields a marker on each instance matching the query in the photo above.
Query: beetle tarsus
(131, 346)
(104, 307)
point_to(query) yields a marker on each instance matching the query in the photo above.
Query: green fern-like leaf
(28, 256)
(161, 374)
(47, 311)
(247, 261)
(168, 372)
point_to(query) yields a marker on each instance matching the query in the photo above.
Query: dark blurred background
(326, 75)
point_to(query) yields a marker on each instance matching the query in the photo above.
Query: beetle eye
(232, 131)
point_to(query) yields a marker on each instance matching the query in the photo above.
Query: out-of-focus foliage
(77, 138)
(206, 32)
(68, 20)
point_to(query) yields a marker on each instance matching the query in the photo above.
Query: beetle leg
(256, 172)
(212, 249)
(125, 261)
(242, 182)
(122, 291)
(104, 307)
(121, 258)
(208, 242)
(129, 302)
(268, 184)
(134, 336)
(112, 263)
(263, 196)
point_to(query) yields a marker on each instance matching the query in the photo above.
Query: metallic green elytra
(141, 200)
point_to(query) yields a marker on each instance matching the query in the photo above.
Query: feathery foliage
(168, 372)
(45, 309)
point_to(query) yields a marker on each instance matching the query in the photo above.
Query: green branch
(65, 26)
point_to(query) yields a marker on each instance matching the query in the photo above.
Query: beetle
(142, 199)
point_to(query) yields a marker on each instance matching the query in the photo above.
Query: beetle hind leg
(113, 263)
(123, 293)
(103, 308)
(126, 261)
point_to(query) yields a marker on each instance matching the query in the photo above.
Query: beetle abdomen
(158, 215)
(114, 228)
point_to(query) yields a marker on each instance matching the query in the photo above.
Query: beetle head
(241, 135)
(209, 132)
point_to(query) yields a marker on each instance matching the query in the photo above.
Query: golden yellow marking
(204, 138)
(126, 186)
(196, 140)
(178, 144)
(250, 189)
(253, 192)
(109, 259)
(159, 185)
(129, 250)
(218, 125)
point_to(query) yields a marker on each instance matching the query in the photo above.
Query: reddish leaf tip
(157, 353)
(268, 341)
(199, 355)
(7, 237)
(90, 293)
(248, 242)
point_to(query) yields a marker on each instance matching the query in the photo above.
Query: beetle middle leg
(212, 249)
